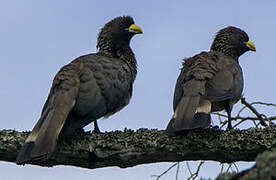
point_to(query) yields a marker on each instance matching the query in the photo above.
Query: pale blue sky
(38, 37)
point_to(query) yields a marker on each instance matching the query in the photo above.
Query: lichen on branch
(130, 148)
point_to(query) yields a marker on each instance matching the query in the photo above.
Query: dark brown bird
(90, 87)
(210, 81)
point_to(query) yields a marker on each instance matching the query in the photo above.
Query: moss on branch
(130, 148)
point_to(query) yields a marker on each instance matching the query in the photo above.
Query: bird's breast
(105, 86)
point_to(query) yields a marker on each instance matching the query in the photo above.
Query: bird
(90, 87)
(209, 82)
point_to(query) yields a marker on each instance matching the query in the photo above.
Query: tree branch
(264, 168)
(243, 101)
(129, 148)
(249, 106)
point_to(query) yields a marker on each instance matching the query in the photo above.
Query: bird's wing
(178, 90)
(201, 67)
(41, 142)
(190, 86)
(227, 84)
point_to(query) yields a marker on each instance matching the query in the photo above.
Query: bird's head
(232, 41)
(117, 33)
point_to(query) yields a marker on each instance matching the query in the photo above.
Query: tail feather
(41, 143)
(184, 115)
(201, 120)
(25, 153)
(187, 115)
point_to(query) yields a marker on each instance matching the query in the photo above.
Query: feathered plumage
(90, 87)
(210, 81)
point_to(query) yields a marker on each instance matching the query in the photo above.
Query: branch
(264, 168)
(165, 172)
(243, 119)
(246, 105)
(129, 148)
(243, 101)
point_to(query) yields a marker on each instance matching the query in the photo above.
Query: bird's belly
(120, 102)
(97, 103)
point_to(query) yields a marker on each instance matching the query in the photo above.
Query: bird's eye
(124, 25)
(243, 38)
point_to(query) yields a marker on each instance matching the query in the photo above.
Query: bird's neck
(126, 54)
(228, 51)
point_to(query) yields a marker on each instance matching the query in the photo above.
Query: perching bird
(210, 81)
(90, 87)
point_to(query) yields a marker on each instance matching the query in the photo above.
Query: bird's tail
(191, 112)
(41, 143)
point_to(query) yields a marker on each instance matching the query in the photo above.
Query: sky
(38, 37)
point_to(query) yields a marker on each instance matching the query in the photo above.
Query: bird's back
(201, 67)
(223, 76)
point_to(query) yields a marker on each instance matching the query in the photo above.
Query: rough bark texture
(130, 148)
(264, 169)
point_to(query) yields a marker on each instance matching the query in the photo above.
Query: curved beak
(135, 29)
(251, 45)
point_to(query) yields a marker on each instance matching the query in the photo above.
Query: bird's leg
(229, 120)
(228, 111)
(96, 127)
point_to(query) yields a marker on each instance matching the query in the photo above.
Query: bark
(264, 168)
(130, 148)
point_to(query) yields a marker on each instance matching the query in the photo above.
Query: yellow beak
(251, 45)
(135, 29)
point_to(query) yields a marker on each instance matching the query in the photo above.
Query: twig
(259, 117)
(229, 167)
(242, 119)
(177, 171)
(222, 167)
(159, 176)
(245, 118)
(243, 101)
(262, 103)
(189, 169)
(241, 110)
(236, 167)
(195, 175)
